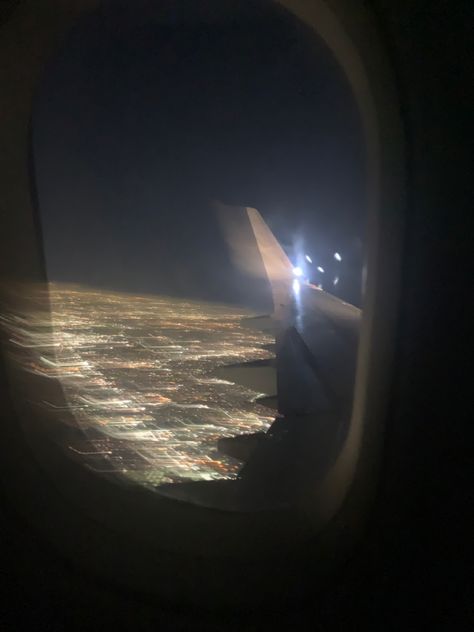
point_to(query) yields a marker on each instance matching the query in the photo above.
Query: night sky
(138, 126)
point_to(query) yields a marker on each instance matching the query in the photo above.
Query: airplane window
(201, 193)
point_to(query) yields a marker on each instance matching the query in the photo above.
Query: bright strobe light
(321, 269)
(337, 256)
(297, 271)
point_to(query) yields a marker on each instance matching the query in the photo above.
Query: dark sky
(138, 126)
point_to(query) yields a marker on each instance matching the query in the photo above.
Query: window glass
(202, 200)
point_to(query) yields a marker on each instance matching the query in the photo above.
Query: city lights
(138, 375)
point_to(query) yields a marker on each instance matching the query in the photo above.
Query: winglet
(277, 268)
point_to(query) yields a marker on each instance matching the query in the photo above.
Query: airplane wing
(316, 333)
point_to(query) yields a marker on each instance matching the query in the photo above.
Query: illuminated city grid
(138, 374)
